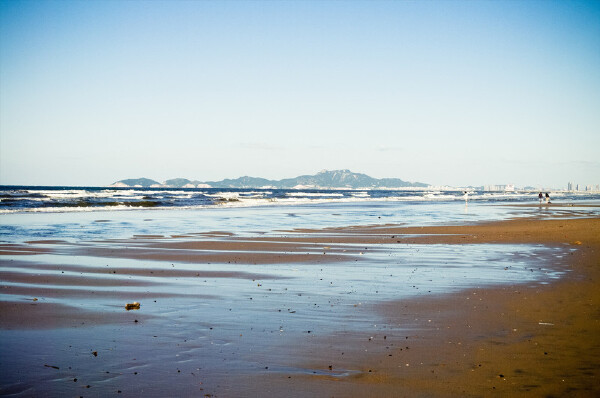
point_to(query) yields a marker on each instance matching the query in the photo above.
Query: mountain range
(326, 179)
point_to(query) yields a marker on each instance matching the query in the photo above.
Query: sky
(443, 92)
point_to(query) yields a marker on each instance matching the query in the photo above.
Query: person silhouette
(540, 196)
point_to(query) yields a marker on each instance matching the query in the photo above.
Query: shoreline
(515, 339)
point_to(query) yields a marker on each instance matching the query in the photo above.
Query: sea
(98, 212)
(15, 199)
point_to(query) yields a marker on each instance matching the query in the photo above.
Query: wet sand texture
(509, 341)
(514, 340)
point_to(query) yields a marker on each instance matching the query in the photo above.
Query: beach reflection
(205, 325)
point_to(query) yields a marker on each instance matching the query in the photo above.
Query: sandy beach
(514, 338)
(512, 341)
(299, 199)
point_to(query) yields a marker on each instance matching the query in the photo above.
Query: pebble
(132, 306)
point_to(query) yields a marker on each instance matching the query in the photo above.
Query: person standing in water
(547, 198)
(540, 196)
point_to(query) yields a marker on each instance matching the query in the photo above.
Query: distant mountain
(345, 179)
(243, 182)
(136, 182)
(180, 183)
(333, 179)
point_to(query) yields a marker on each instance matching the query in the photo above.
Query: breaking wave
(66, 199)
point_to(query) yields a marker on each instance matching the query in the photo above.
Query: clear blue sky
(448, 92)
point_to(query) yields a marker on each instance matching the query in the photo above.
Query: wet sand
(513, 339)
(509, 341)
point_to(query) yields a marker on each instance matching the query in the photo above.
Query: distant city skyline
(587, 187)
(445, 92)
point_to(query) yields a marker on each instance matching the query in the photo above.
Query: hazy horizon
(493, 184)
(442, 92)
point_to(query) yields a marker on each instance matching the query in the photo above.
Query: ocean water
(28, 213)
(69, 199)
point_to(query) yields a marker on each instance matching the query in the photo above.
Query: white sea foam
(52, 201)
(224, 195)
(69, 209)
(314, 194)
(439, 196)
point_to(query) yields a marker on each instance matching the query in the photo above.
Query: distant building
(494, 188)
(570, 186)
(499, 188)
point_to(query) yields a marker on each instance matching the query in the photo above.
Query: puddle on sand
(333, 373)
(203, 331)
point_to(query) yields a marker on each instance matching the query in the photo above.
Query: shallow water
(74, 226)
(203, 326)
(201, 332)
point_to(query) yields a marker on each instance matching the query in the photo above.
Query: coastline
(513, 339)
